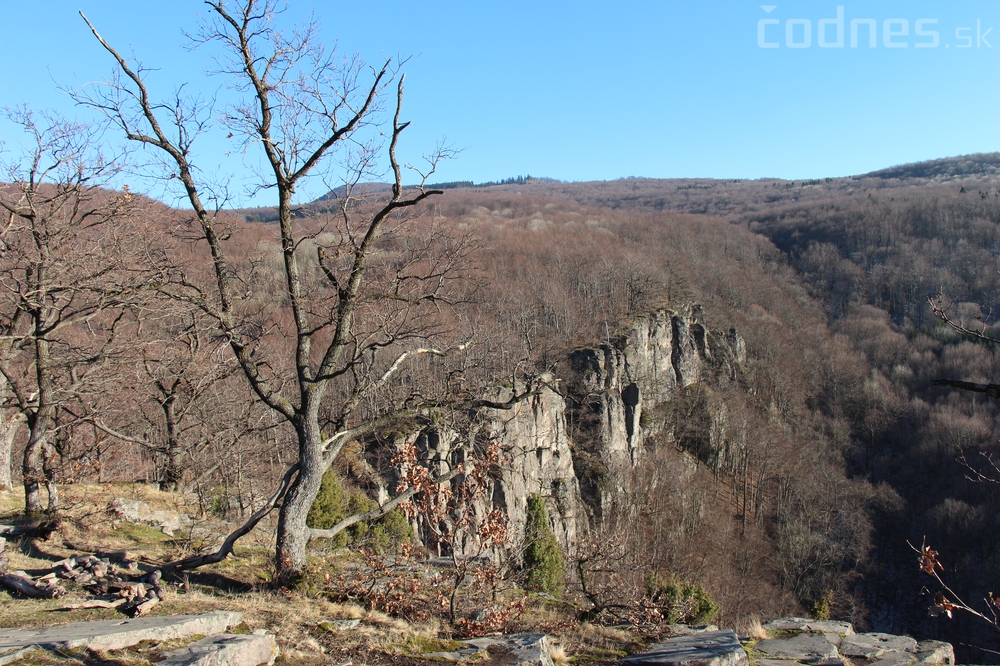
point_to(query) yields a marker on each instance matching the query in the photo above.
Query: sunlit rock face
(601, 404)
(658, 355)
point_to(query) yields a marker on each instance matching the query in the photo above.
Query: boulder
(135, 511)
(935, 652)
(802, 647)
(712, 648)
(225, 650)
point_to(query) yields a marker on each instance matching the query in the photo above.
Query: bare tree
(62, 265)
(179, 362)
(344, 348)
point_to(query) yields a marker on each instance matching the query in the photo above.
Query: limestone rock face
(533, 438)
(657, 356)
(605, 395)
(535, 460)
(644, 367)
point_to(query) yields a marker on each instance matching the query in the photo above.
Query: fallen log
(23, 585)
(93, 603)
(42, 531)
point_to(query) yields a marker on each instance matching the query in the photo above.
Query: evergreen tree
(543, 560)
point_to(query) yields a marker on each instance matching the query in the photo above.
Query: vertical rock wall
(610, 387)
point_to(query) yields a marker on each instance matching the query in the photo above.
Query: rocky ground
(89, 595)
(791, 641)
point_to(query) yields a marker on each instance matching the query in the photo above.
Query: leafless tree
(179, 362)
(344, 345)
(62, 265)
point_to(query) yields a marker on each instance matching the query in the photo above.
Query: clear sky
(601, 90)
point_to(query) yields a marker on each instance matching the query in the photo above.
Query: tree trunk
(35, 452)
(173, 471)
(8, 433)
(293, 533)
(33, 473)
(9, 428)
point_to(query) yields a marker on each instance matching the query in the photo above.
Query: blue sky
(598, 90)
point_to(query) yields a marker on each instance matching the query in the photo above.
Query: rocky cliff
(577, 440)
(619, 386)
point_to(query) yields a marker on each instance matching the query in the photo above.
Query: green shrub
(329, 508)
(543, 561)
(390, 532)
(821, 609)
(683, 602)
(333, 503)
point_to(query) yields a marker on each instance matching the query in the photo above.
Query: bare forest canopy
(834, 427)
(829, 281)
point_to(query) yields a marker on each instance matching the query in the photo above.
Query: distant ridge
(977, 164)
(365, 188)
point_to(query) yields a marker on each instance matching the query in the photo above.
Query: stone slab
(118, 634)
(714, 648)
(518, 649)
(807, 624)
(339, 625)
(809, 648)
(11, 655)
(688, 629)
(225, 650)
(874, 645)
(935, 652)
(894, 658)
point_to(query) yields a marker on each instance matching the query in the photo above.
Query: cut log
(43, 531)
(128, 590)
(68, 564)
(153, 580)
(23, 585)
(141, 608)
(93, 603)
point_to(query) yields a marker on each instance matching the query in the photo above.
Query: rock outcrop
(608, 396)
(833, 643)
(618, 385)
(535, 459)
(711, 648)
(802, 641)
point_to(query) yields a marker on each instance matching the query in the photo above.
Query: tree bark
(8, 433)
(293, 533)
(9, 427)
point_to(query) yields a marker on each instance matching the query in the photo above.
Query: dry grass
(559, 657)
(298, 619)
(753, 628)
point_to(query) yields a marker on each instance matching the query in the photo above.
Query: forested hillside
(794, 478)
(872, 250)
(766, 518)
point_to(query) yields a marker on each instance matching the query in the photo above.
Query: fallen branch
(42, 531)
(226, 548)
(93, 603)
